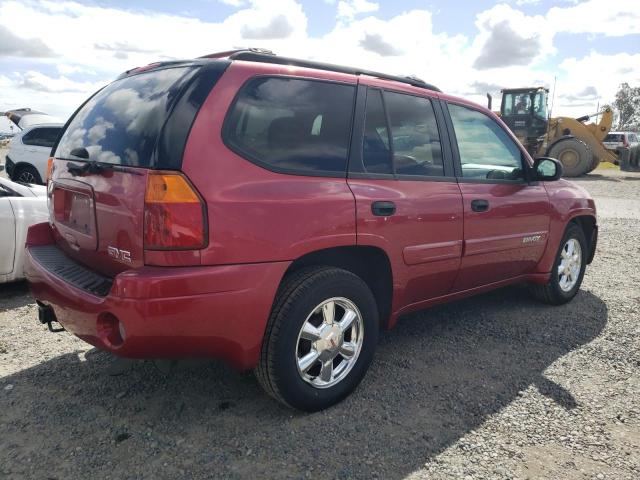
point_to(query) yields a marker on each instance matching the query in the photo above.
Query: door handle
(383, 209)
(479, 205)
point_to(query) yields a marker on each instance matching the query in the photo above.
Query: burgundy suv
(278, 213)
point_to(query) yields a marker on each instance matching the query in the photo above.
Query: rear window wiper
(96, 168)
(91, 166)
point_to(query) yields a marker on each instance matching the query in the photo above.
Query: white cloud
(606, 17)
(40, 82)
(348, 9)
(509, 37)
(510, 48)
(12, 45)
(233, 3)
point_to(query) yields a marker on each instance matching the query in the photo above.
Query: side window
(414, 135)
(32, 137)
(41, 137)
(410, 143)
(376, 152)
(486, 151)
(294, 125)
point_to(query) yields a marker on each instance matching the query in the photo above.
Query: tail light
(49, 169)
(174, 214)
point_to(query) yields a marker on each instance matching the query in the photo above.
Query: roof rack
(261, 55)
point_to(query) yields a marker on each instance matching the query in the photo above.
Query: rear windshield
(121, 123)
(614, 137)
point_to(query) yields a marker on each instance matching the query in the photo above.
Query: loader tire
(594, 164)
(576, 157)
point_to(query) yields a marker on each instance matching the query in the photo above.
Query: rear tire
(298, 329)
(26, 174)
(562, 287)
(575, 156)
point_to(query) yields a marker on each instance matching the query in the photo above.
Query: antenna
(553, 97)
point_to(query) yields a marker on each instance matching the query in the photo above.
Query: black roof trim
(253, 55)
(261, 55)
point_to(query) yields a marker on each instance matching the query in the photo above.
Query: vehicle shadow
(438, 375)
(14, 295)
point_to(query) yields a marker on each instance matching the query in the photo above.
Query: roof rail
(229, 53)
(262, 55)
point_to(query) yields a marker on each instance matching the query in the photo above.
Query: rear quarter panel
(567, 200)
(256, 215)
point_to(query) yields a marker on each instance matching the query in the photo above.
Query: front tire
(320, 338)
(568, 269)
(576, 157)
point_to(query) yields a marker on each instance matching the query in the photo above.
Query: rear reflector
(174, 215)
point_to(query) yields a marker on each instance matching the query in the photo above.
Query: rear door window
(121, 123)
(292, 125)
(414, 135)
(403, 139)
(376, 146)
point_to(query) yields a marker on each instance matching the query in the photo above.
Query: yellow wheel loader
(574, 142)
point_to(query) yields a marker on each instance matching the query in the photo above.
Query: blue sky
(54, 54)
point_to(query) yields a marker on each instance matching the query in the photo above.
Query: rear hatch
(129, 135)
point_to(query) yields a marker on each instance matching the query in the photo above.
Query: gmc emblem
(120, 255)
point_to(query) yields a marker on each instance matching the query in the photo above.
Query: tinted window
(122, 122)
(486, 151)
(42, 137)
(376, 152)
(414, 135)
(292, 125)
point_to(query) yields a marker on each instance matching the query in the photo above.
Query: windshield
(121, 123)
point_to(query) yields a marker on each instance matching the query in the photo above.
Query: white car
(21, 206)
(619, 141)
(29, 151)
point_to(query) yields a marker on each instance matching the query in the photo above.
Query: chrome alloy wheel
(570, 265)
(329, 342)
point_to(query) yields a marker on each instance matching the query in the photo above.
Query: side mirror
(547, 169)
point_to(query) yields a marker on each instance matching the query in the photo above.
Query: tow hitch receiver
(48, 316)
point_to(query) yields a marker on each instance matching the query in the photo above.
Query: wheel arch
(589, 227)
(18, 166)
(371, 264)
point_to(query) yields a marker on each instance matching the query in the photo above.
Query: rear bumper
(210, 311)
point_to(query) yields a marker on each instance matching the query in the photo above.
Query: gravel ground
(495, 386)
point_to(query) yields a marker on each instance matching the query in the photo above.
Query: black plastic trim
(54, 261)
(9, 165)
(175, 131)
(593, 244)
(251, 56)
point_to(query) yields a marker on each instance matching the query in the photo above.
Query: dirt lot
(496, 386)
